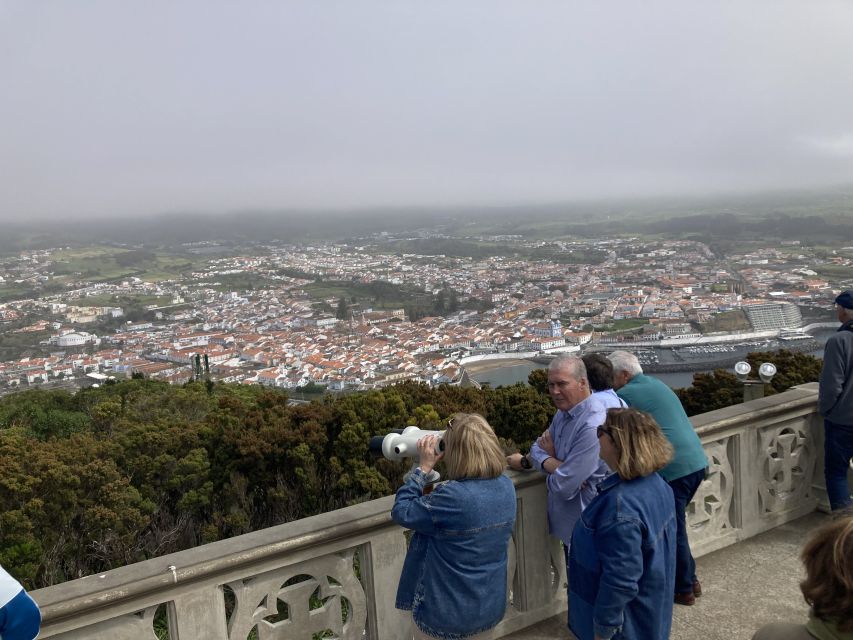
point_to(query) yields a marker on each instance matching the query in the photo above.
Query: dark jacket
(835, 395)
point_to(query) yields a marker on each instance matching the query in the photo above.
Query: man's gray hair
(846, 313)
(625, 361)
(572, 365)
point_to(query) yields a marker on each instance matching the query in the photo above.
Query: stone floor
(744, 587)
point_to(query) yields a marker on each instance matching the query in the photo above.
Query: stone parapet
(766, 468)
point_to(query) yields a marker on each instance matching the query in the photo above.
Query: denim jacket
(454, 578)
(622, 562)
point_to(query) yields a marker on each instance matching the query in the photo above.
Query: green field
(242, 282)
(15, 345)
(381, 295)
(104, 264)
(727, 321)
(324, 290)
(112, 300)
(834, 271)
(623, 325)
(15, 292)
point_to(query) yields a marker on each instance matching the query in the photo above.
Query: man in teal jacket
(687, 469)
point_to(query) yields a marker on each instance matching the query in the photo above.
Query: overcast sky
(112, 108)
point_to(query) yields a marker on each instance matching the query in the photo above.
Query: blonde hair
(471, 448)
(642, 447)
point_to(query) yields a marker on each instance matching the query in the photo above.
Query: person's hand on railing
(518, 462)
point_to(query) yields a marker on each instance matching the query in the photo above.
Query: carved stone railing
(337, 572)
(766, 468)
(334, 572)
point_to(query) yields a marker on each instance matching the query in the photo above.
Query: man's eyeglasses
(602, 431)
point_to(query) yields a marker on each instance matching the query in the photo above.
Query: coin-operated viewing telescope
(403, 443)
(754, 389)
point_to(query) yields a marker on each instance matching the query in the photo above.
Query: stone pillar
(381, 566)
(540, 568)
(198, 615)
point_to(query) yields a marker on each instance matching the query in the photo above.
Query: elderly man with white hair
(685, 471)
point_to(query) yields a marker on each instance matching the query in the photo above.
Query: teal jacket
(657, 399)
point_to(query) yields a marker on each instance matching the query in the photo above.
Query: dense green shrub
(113, 475)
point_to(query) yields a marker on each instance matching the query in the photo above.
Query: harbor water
(514, 373)
(517, 371)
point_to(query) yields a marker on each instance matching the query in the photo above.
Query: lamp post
(754, 389)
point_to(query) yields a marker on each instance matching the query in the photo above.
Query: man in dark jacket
(835, 404)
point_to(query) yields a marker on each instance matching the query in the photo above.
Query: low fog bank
(812, 216)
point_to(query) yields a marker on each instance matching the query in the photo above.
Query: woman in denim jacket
(622, 558)
(454, 578)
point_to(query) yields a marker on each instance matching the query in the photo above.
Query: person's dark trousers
(837, 452)
(683, 490)
(566, 556)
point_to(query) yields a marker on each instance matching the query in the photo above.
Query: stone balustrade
(766, 468)
(335, 575)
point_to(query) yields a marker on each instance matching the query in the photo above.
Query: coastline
(482, 366)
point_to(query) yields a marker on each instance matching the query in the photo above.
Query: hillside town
(278, 334)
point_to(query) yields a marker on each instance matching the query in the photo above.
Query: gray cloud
(142, 107)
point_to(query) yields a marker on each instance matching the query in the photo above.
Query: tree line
(117, 474)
